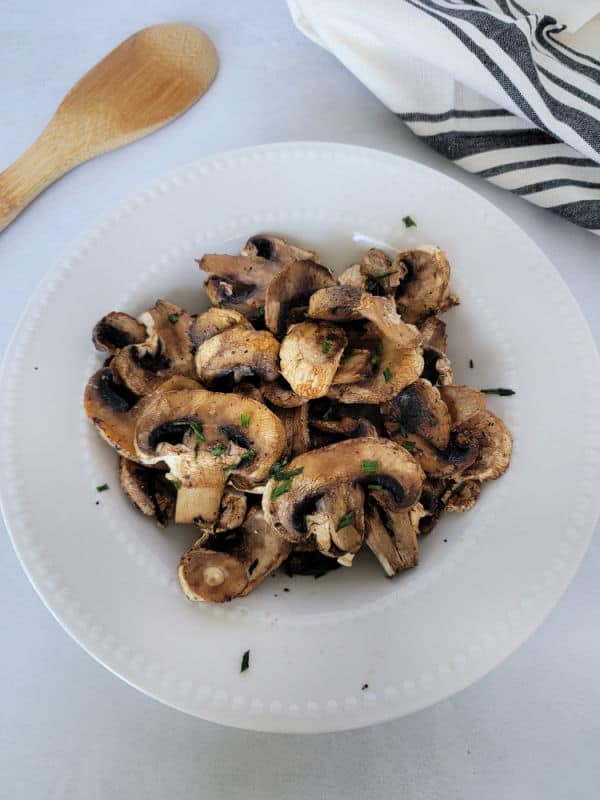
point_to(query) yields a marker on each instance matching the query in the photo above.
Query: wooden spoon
(147, 81)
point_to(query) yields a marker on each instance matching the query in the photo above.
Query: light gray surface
(68, 728)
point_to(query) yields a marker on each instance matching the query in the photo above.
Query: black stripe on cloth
(550, 45)
(557, 183)
(509, 87)
(460, 144)
(582, 212)
(576, 92)
(516, 46)
(501, 169)
(564, 46)
(456, 113)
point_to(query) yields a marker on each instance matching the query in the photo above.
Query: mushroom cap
(148, 490)
(161, 432)
(437, 368)
(214, 321)
(111, 407)
(463, 402)
(272, 248)
(239, 352)
(426, 288)
(461, 452)
(381, 311)
(232, 514)
(463, 497)
(291, 289)
(495, 450)
(433, 331)
(355, 366)
(309, 357)
(239, 567)
(166, 351)
(337, 523)
(419, 408)
(356, 461)
(335, 303)
(116, 331)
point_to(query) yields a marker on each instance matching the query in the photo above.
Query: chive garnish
(218, 450)
(500, 392)
(409, 222)
(104, 487)
(283, 488)
(374, 487)
(387, 375)
(408, 445)
(345, 520)
(326, 347)
(173, 318)
(245, 661)
(402, 430)
(369, 466)
(245, 420)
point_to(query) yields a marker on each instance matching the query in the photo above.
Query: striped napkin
(509, 94)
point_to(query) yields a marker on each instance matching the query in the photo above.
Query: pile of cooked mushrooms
(300, 417)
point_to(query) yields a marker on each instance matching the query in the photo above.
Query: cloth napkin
(510, 94)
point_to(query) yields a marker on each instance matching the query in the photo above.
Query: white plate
(486, 579)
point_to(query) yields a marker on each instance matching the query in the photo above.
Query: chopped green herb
(283, 488)
(369, 466)
(104, 487)
(173, 318)
(375, 359)
(374, 487)
(402, 430)
(328, 413)
(372, 286)
(176, 483)
(345, 520)
(326, 347)
(195, 426)
(500, 392)
(379, 348)
(471, 364)
(378, 351)
(196, 450)
(260, 311)
(245, 661)
(245, 420)
(408, 445)
(409, 222)
(218, 450)
(221, 304)
(387, 374)
(281, 474)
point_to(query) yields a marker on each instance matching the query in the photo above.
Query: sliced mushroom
(433, 331)
(310, 355)
(240, 353)
(335, 303)
(432, 500)
(244, 562)
(425, 290)
(148, 490)
(354, 461)
(463, 497)
(246, 389)
(392, 538)
(204, 438)
(166, 351)
(419, 408)
(437, 368)
(116, 331)
(337, 522)
(461, 452)
(350, 427)
(352, 276)
(290, 290)
(280, 393)
(241, 281)
(382, 313)
(495, 450)
(463, 402)
(111, 407)
(295, 422)
(232, 513)
(356, 365)
(380, 272)
(214, 321)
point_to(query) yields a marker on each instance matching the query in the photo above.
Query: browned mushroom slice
(265, 245)
(232, 513)
(433, 331)
(361, 462)
(280, 393)
(310, 355)
(243, 561)
(461, 452)
(395, 367)
(437, 368)
(349, 427)
(426, 288)
(337, 522)
(240, 353)
(384, 276)
(463, 497)
(419, 408)
(214, 321)
(381, 311)
(496, 447)
(352, 276)
(249, 390)
(295, 422)
(356, 365)
(463, 402)
(335, 303)
(116, 331)
(289, 292)
(148, 490)
(111, 407)
(392, 538)
(204, 438)
(432, 500)
(166, 351)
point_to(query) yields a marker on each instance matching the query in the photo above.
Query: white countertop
(68, 728)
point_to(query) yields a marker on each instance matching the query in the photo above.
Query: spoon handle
(39, 166)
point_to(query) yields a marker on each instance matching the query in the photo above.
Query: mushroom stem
(201, 501)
